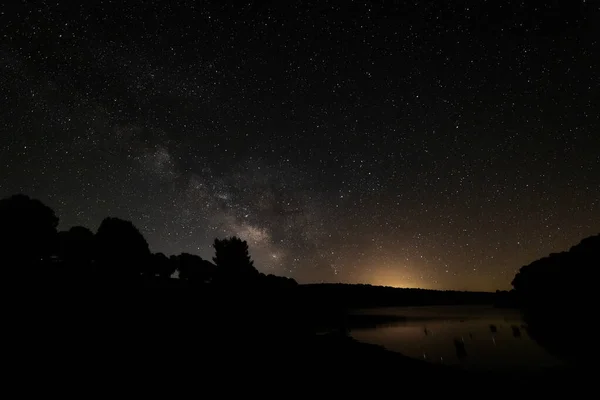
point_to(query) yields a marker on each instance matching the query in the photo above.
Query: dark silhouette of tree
(161, 266)
(232, 257)
(560, 284)
(27, 231)
(540, 282)
(121, 250)
(76, 246)
(194, 269)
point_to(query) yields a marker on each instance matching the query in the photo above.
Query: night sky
(401, 144)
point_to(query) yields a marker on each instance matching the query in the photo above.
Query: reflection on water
(472, 337)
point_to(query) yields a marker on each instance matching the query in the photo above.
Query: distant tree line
(32, 247)
(364, 295)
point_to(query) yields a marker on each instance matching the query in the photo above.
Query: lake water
(436, 333)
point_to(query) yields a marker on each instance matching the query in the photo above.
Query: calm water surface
(460, 335)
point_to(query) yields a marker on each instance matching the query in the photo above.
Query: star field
(399, 143)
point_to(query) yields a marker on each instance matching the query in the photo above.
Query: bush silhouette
(121, 250)
(27, 231)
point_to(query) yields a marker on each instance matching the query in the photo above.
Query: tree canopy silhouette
(559, 278)
(121, 249)
(232, 257)
(27, 230)
(557, 285)
(117, 252)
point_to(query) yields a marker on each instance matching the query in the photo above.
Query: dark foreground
(316, 365)
(141, 342)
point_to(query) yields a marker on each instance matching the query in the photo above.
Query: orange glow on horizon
(393, 278)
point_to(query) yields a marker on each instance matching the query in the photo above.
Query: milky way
(409, 144)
